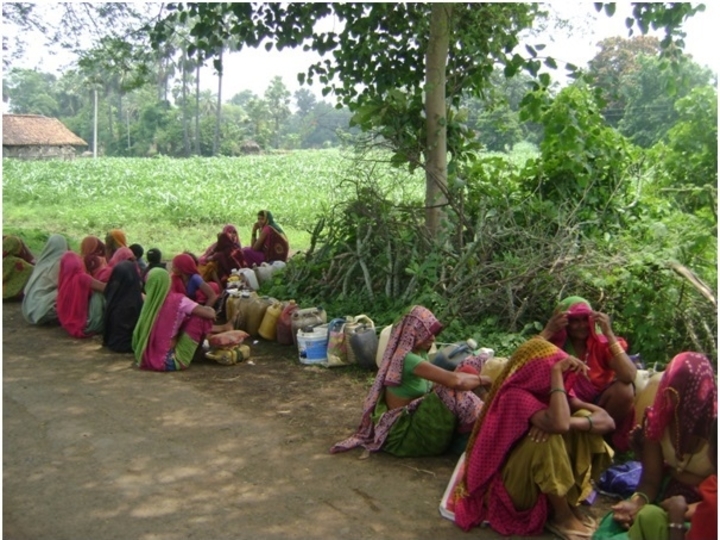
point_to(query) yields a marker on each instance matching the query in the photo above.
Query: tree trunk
(436, 115)
(197, 107)
(186, 137)
(216, 140)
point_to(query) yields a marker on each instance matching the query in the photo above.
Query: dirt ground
(94, 448)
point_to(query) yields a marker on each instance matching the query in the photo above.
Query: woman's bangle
(558, 390)
(642, 496)
(616, 349)
(590, 422)
(680, 526)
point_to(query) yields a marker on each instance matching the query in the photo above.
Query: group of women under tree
(551, 422)
(158, 313)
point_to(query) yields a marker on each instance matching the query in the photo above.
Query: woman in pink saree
(534, 450)
(122, 254)
(171, 327)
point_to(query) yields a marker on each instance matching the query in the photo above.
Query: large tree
(432, 53)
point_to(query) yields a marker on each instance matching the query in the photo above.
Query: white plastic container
(312, 345)
(249, 278)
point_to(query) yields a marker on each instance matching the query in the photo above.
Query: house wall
(39, 152)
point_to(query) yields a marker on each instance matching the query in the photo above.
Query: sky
(253, 69)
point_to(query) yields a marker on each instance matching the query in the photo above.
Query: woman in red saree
(80, 303)
(171, 327)
(186, 279)
(587, 334)
(269, 242)
(534, 449)
(221, 258)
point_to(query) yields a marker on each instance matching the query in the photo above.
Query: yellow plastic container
(268, 326)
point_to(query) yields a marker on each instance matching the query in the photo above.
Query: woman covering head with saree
(404, 413)
(18, 264)
(39, 300)
(80, 303)
(673, 446)
(587, 334)
(114, 240)
(221, 258)
(534, 450)
(92, 250)
(170, 328)
(123, 302)
(269, 242)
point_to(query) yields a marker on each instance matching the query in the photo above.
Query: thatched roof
(36, 130)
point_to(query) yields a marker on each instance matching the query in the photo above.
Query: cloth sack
(621, 480)
(229, 339)
(337, 350)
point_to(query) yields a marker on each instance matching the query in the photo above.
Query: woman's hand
(556, 323)
(624, 512)
(572, 364)
(603, 321)
(538, 435)
(676, 507)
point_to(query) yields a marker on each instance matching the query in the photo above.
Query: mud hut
(32, 136)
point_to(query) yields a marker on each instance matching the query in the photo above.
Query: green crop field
(180, 204)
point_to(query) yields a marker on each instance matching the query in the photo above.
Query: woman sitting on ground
(269, 242)
(114, 240)
(18, 264)
(123, 302)
(588, 335)
(405, 414)
(122, 254)
(154, 259)
(535, 449)
(80, 303)
(92, 250)
(672, 445)
(171, 327)
(221, 258)
(40, 293)
(186, 279)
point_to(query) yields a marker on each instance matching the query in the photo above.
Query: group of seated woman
(108, 289)
(549, 427)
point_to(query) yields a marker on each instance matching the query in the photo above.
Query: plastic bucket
(312, 345)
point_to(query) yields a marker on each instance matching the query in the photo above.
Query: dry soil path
(95, 449)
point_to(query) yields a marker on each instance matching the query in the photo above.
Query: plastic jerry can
(382, 344)
(264, 272)
(268, 327)
(353, 325)
(284, 324)
(364, 345)
(256, 311)
(237, 309)
(449, 356)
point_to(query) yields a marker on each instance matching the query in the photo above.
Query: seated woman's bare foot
(571, 528)
(217, 328)
(584, 518)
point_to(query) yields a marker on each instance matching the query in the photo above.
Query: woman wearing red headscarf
(673, 446)
(187, 280)
(405, 414)
(122, 254)
(80, 303)
(221, 258)
(587, 334)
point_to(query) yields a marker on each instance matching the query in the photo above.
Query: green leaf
(610, 9)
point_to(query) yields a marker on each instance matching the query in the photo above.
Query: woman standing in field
(269, 242)
(18, 263)
(170, 328)
(80, 303)
(39, 302)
